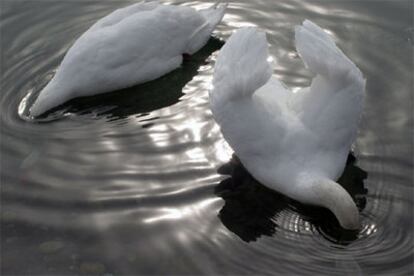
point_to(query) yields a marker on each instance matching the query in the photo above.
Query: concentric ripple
(140, 181)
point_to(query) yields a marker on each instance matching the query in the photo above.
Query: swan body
(295, 143)
(131, 45)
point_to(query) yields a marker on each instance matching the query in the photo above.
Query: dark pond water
(141, 182)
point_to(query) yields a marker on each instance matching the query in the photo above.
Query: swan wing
(122, 13)
(241, 67)
(245, 103)
(141, 47)
(332, 105)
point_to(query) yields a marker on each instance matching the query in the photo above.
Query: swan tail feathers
(214, 14)
(320, 54)
(241, 66)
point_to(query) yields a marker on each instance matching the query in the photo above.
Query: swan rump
(295, 143)
(132, 45)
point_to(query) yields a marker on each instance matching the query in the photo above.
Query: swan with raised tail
(132, 45)
(294, 143)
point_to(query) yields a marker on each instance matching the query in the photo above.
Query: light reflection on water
(133, 182)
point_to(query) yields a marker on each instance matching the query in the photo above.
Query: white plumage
(131, 45)
(295, 143)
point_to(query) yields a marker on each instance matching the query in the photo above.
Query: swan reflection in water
(251, 209)
(162, 92)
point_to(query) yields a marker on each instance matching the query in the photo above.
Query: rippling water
(142, 182)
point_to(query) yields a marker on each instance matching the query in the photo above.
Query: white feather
(294, 143)
(131, 45)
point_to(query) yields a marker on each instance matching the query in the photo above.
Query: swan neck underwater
(295, 143)
(331, 195)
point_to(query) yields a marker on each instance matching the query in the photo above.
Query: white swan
(131, 45)
(295, 143)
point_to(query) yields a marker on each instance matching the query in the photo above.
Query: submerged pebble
(92, 268)
(51, 247)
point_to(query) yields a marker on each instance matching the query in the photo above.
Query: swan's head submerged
(331, 195)
(52, 95)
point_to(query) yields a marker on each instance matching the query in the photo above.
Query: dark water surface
(141, 182)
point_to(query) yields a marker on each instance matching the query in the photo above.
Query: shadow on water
(162, 92)
(250, 207)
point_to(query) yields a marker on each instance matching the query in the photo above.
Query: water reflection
(251, 209)
(180, 213)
